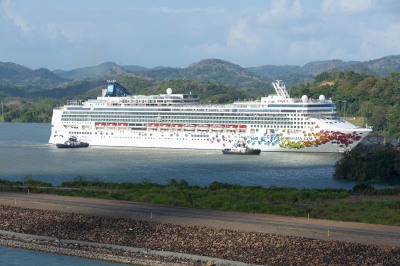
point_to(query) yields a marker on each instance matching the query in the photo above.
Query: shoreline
(72, 231)
(106, 252)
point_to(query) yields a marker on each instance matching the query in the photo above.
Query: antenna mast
(280, 89)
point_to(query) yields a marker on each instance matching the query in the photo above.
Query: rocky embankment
(375, 143)
(247, 247)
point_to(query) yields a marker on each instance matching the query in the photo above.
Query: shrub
(363, 189)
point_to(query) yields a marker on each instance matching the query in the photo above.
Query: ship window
(270, 131)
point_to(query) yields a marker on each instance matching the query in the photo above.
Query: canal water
(25, 154)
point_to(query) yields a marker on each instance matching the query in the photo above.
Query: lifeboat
(166, 126)
(177, 126)
(152, 125)
(242, 128)
(231, 127)
(217, 127)
(203, 127)
(122, 125)
(111, 124)
(189, 127)
(100, 124)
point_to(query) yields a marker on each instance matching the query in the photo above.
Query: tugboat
(241, 149)
(72, 142)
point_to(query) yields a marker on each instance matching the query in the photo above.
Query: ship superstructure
(273, 123)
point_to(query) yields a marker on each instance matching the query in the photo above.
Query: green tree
(22, 111)
(393, 118)
(378, 117)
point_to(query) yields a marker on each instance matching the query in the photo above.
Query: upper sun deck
(282, 99)
(116, 96)
(146, 100)
(112, 98)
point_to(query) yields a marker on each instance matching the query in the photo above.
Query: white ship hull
(330, 140)
(176, 121)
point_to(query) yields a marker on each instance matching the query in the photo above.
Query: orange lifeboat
(203, 127)
(231, 127)
(189, 127)
(165, 126)
(152, 125)
(217, 127)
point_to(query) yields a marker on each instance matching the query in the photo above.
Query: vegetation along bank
(363, 203)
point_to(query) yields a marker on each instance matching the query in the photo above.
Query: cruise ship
(178, 121)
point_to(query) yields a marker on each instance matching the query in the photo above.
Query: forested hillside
(377, 99)
(12, 74)
(40, 105)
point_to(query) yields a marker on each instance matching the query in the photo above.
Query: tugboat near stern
(73, 142)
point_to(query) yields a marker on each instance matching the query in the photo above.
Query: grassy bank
(362, 204)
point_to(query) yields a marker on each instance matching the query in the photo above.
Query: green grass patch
(333, 204)
(367, 211)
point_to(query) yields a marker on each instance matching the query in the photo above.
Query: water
(21, 257)
(25, 153)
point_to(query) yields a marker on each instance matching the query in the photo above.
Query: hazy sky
(75, 33)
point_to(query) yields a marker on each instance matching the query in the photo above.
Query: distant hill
(385, 65)
(378, 67)
(41, 78)
(317, 67)
(308, 71)
(108, 70)
(17, 80)
(210, 70)
(217, 70)
(272, 72)
(134, 68)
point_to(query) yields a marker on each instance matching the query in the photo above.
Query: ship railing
(74, 102)
(290, 100)
(209, 107)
